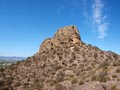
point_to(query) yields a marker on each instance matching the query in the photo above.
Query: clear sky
(24, 24)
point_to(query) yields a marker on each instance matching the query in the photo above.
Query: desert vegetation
(64, 66)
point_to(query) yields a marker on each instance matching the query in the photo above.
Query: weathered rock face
(64, 62)
(65, 35)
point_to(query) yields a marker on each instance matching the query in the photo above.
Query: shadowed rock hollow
(64, 62)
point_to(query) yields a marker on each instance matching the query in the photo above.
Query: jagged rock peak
(68, 33)
(65, 35)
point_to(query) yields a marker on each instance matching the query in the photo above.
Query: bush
(17, 84)
(59, 77)
(118, 70)
(114, 76)
(104, 64)
(102, 77)
(59, 87)
(81, 82)
(116, 63)
(74, 80)
(113, 87)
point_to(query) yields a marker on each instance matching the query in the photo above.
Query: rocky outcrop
(64, 62)
(68, 34)
(65, 35)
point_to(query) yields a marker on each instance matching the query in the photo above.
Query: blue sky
(24, 24)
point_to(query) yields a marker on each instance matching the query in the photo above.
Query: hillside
(5, 60)
(64, 62)
(8, 58)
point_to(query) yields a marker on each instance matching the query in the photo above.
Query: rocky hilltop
(64, 62)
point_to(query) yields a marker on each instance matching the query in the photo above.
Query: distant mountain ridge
(8, 58)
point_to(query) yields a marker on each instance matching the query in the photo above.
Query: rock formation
(66, 35)
(64, 62)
